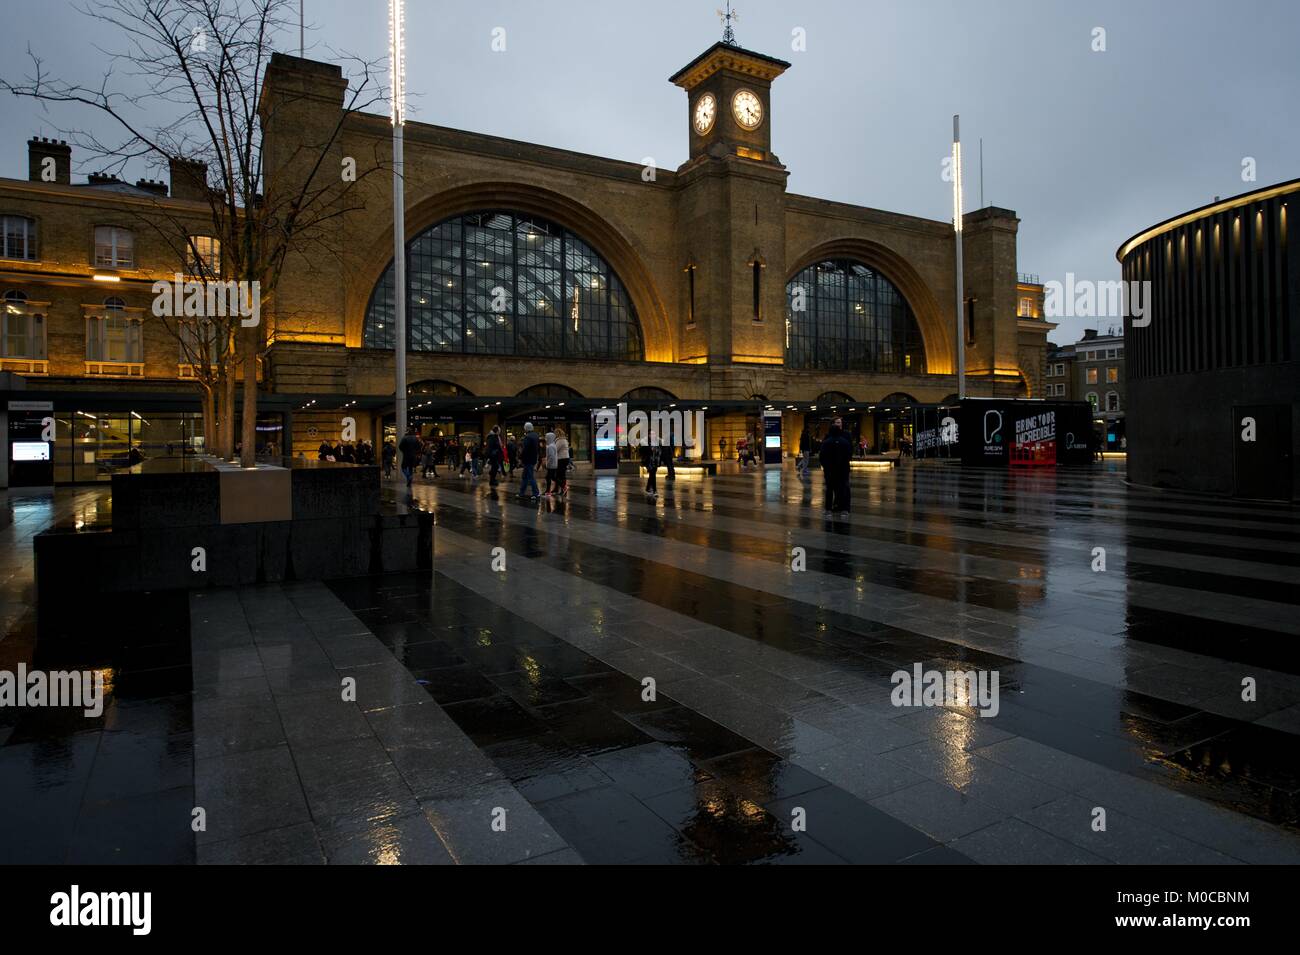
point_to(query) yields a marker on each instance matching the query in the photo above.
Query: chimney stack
(154, 186)
(49, 160)
(189, 179)
(102, 179)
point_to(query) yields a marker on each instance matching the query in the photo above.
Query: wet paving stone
(770, 737)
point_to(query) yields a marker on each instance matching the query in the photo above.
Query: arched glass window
(442, 389)
(844, 316)
(1112, 401)
(897, 398)
(548, 391)
(833, 398)
(501, 283)
(649, 393)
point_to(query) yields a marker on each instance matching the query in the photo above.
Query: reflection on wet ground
(116, 787)
(770, 736)
(1120, 688)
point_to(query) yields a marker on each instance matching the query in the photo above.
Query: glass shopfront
(92, 446)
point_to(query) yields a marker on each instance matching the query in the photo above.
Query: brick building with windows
(541, 283)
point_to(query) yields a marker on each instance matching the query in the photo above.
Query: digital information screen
(31, 451)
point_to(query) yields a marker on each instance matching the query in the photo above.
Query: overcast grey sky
(1088, 147)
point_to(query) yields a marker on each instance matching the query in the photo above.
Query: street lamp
(956, 231)
(397, 112)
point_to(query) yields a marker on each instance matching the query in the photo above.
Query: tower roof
(724, 56)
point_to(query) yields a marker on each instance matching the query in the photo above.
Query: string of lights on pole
(956, 231)
(397, 113)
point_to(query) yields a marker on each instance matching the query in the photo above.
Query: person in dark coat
(835, 453)
(495, 451)
(409, 448)
(528, 459)
(650, 461)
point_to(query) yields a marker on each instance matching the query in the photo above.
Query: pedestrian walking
(410, 448)
(495, 452)
(561, 462)
(650, 460)
(528, 461)
(552, 462)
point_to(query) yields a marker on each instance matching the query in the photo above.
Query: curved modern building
(1213, 380)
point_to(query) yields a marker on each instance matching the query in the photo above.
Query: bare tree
(187, 93)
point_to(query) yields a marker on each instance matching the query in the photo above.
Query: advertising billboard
(999, 432)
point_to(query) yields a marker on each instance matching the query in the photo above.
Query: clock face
(748, 109)
(706, 111)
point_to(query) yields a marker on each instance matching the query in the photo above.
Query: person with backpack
(390, 455)
(528, 460)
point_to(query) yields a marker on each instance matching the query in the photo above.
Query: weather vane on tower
(728, 34)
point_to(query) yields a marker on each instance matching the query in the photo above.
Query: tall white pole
(397, 22)
(956, 231)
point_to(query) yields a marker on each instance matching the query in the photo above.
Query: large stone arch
(930, 318)
(608, 241)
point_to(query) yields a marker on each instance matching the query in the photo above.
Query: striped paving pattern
(772, 737)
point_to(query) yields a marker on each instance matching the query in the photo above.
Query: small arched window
(649, 393)
(1112, 401)
(1092, 399)
(548, 391)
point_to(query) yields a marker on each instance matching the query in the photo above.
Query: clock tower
(728, 92)
(731, 222)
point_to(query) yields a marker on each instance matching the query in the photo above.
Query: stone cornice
(722, 56)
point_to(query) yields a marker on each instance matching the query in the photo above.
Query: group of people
(361, 453)
(500, 454)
